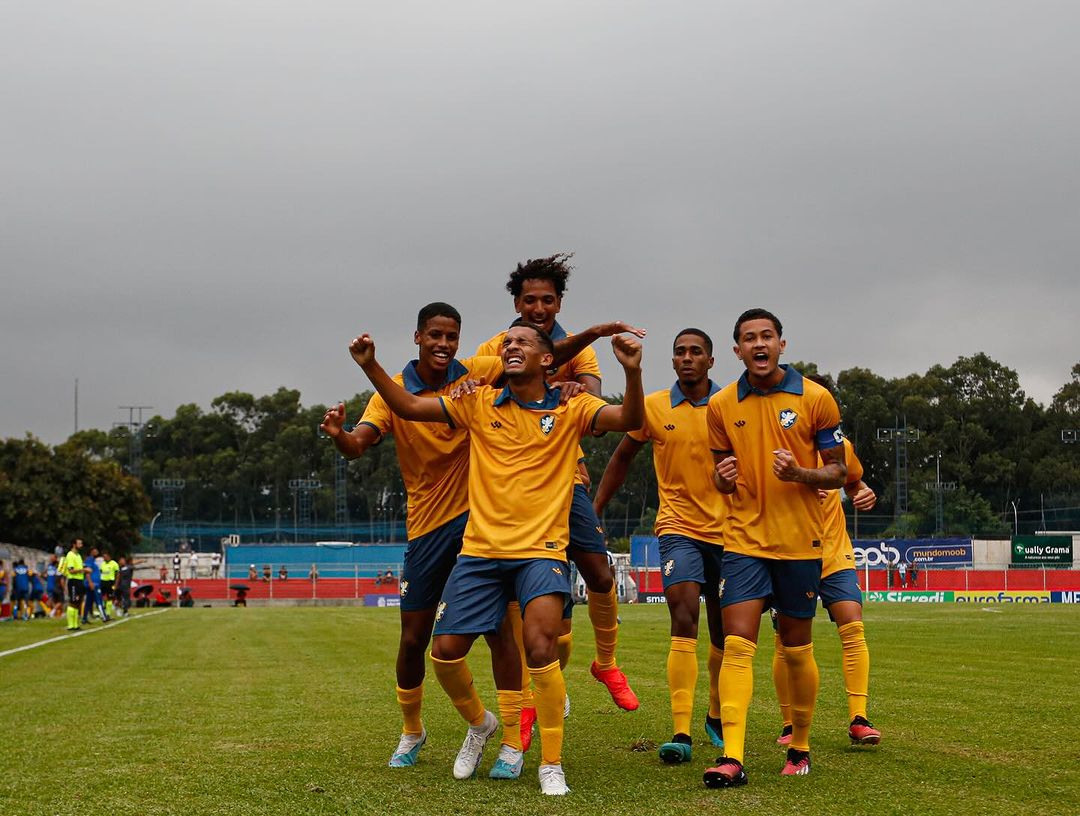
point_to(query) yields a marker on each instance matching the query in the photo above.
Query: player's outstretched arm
(570, 347)
(401, 402)
(830, 476)
(631, 414)
(615, 472)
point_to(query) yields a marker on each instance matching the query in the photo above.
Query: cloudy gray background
(202, 197)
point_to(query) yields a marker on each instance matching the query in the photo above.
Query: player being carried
(766, 431)
(689, 524)
(524, 447)
(537, 287)
(842, 598)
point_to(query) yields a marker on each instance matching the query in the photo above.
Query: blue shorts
(19, 594)
(842, 585)
(428, 561)
(586, 533)
(790, 587)
(686, 559)
(474, 601)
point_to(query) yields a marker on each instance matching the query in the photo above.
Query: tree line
(1000, 454)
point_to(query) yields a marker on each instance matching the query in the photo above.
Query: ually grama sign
(1042, 550)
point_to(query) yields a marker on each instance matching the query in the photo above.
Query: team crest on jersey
(547, 422)
(442, 609)
(404, 590)
(788, 418)
(669, 566)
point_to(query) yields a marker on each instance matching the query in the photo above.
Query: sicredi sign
(1042, 549)
(910, 597)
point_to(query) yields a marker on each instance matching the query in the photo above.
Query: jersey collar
(557, 332)
(415, 385)
(550, 400)
(791, 384)
(678, 397)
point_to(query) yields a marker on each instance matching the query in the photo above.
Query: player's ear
(547, 360)
(783, 345)
(416, 337)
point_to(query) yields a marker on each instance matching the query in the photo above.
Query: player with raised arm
(842, 598)
(434, 462)
(537, 287)
(766, 432)
(523, 450)
(689, 525)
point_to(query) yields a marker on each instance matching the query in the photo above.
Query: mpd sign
(1042, 550)
(921, 551)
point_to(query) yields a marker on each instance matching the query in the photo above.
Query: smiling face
(538, 303)
(524, 352)
(438, 342)
(691, 360)
(759, 348)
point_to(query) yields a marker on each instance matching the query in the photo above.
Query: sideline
(108, 625)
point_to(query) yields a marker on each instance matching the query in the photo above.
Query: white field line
(71, 635)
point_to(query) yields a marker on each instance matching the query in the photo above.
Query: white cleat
(472, 749)
(553, 781)
(408, 748)
(509, 763)
(566, 706)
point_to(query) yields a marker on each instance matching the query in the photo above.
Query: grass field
(291, 710)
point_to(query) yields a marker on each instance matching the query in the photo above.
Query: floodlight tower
(170, 489)
(136, 430)
(302, 490)
(900, 434)
(939, 488)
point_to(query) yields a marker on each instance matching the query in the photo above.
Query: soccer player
(124, 574)
(53, 586)
(434, 461)
(109, 568)
(766, 431)
(20, 590)
(689, 524)
(840, 595)
(74, 573)
(523, 447)
(537, 287)
(93, 600)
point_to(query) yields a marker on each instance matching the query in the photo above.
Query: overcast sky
(201, 197)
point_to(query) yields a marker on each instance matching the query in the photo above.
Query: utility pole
(900, 434)
(938, 488)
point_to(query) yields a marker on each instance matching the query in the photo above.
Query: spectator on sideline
(193, 565)
(215, 565)
(313, 575)
(164, 574)
(266, 573)
(913, 573)
(901, 569)
(176, 567)
(283, 573)
(252, 574)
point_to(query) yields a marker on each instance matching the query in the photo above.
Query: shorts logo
(669, 566)
(404, 588)
(669, 427)
(741, 423)
(788, 418)
(557, 570)
(810, 595)
(720, 592)
(547, 422)
(441, 610)
(496, 424)
(599, 529)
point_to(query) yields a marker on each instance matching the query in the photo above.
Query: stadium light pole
(900, 435)
(1016, 518)
(938, 488)
(1070, 436)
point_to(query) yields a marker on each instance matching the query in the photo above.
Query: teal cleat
(715, 729)
(408, 749)
(508, 765)
(677, 751)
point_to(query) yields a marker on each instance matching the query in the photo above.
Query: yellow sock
(456, 680)
(565, 643)
(514, 612)
(716, 660)
(604, 614)
(781, 681)
(510, 714)
(855, 658)
(72, 617)
(682, 672)
(736, 689)
(550, 693)
(410, 701)
(803, 671)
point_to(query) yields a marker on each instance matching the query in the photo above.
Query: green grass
(283, 711)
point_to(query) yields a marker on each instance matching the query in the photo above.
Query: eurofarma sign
(1042, 550)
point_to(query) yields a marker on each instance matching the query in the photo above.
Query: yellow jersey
(838, 553)
(433, 456)
(72, 566)
(522, 461)
(690, 504)
(770, 518)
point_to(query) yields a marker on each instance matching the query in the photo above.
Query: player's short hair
(555, 268)
(545, 338)
(697, 333)
(437, 309)
(757, 314)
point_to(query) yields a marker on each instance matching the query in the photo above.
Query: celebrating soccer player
(524, 448)
(689, 525)
(766, 431)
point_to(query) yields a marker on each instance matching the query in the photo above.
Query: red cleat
(727, 773)
(617, 686)
(797, 764)
(862, 732)
(528, 718)
(785, 736)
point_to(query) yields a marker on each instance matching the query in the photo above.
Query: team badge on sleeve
(547, 422)
(788, 418)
